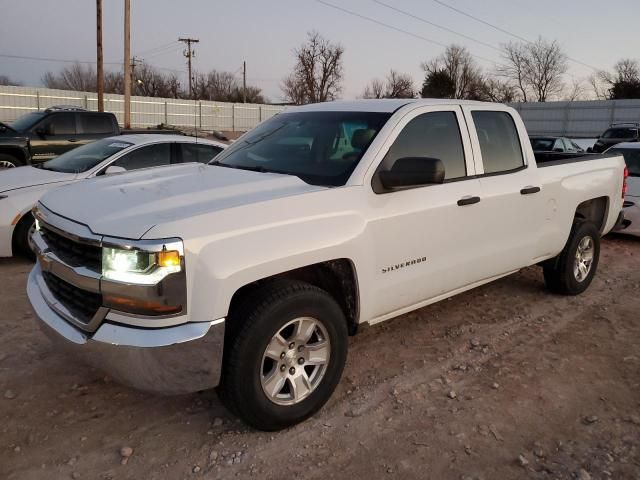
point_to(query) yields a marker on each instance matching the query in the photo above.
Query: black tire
(21, 238)
(262, 314)
(559, 273)
(6, 159)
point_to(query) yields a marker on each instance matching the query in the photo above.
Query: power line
(499, 29)
(42, 59)
(446, 29)
(159, 47)
(397, 29)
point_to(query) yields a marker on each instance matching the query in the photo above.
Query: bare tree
(396, 85)
(494, 90)
(5, 80)
(223, 87)
(516, 67)
(317, 74)
(623, 82)
(76, 77)
(113, 82)
(375, 89)
(575, 91)
(457, 63)
(536, 68)
(399, 85)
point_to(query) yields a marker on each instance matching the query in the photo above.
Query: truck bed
(549, 159)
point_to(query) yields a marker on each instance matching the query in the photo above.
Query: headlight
(139, 267)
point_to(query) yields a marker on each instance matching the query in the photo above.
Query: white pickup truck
(250, 273)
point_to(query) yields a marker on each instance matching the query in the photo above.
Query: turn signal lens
(169, 258)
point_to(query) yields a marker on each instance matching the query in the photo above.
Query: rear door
(54, 135)
(93, 126)
(511, 200)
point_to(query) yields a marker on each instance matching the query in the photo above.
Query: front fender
(221, 267)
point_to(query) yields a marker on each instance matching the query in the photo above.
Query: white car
(21, 188)
(631, 207)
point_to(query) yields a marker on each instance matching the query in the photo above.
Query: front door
(424, 239)
(53, 136)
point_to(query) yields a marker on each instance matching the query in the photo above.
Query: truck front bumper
(172, 360)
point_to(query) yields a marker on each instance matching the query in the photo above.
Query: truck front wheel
(285, 354)
(571, 272)
(9, 161)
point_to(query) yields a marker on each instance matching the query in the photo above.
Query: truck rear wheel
(284, 355)
(9, 161)
(573, 270)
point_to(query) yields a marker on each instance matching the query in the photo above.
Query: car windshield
(27, 121)
(86, 157)
(620, 133)
(321, 148)
(631, 158)
(544, 144)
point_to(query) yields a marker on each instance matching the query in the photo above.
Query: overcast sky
(264, 33)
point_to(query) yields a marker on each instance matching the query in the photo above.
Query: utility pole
(99, 59)
(244, 82)
(127, 64)
(189, 53)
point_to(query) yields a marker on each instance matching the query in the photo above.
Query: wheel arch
(594, 210)
(338, 277)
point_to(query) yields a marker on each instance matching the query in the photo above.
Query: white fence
(583, 119)
(145, 111)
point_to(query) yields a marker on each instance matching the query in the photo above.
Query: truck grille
(82, 304)
(71, 252)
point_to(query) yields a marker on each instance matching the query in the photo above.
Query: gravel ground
(506, 381)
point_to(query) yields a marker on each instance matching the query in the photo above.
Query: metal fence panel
(582, 119)
(145, 111)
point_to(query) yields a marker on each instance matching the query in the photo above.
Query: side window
(499, 141)
(144, 157)
(558, 145)
(96, 124)
(197, 152)
(434, 135)
(60, 124)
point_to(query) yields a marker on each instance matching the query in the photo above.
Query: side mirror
(114, 169)
(412, 172)
(43, 132)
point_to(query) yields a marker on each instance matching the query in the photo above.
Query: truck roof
(379, 105)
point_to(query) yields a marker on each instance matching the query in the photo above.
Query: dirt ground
(504, 382)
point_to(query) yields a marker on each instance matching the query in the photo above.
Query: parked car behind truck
(20, 188)
(40, 136)
(250, 273)
(617, 133)
(631, 206)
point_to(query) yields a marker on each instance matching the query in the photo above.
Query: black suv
(617, 133)
(40, 136)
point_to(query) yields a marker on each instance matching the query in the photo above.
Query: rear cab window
(499, 141)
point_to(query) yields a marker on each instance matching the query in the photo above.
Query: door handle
(528, 190)
(72, 140)
(468, 201)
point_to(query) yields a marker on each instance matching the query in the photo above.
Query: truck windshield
(321, 148)
(631, 158)
(87, 156)
(27, 121)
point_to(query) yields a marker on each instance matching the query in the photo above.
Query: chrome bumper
(171, 360)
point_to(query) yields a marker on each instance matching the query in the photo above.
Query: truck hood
(22, 177)
(129, 204)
